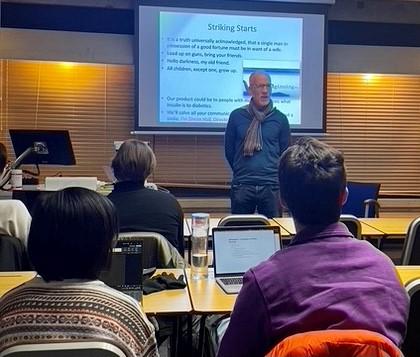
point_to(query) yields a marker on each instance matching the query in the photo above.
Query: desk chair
(353, 224)
(332, 343)
(244, 220)
(64, 349)
(411, 345)
(13, 256)
(362, 200)
(411, 249)
(157, 251)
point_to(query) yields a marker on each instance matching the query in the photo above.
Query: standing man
(256, 136)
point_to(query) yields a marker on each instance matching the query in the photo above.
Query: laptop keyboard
(232, 281)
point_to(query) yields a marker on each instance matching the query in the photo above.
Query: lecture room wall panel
(375, 122)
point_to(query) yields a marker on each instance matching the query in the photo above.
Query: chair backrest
(13, 256)
(332, 343)
(353, 224)
(411, 345)
(411, 249)
(64, 349)
(362, 200)
(244, 220)
(157, 251)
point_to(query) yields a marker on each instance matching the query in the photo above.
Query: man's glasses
(268, 86)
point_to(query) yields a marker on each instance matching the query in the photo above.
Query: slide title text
(231, 28)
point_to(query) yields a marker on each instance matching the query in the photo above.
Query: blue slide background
(204, 59)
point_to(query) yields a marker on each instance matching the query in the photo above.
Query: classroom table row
(214, 222)
(383, 227)
(391, 227)
(202, 296)
(160, 303)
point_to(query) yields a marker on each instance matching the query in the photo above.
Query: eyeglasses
(268, 86)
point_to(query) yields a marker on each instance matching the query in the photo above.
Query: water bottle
(200, 232)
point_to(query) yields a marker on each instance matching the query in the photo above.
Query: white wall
(66, 46)
(391, 11)
(373, 59)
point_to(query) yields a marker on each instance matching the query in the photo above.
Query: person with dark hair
(140, 208)
(69, 243)
(255, 137)
(325, 279)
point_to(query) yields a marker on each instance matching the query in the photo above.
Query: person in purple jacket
(325, 278)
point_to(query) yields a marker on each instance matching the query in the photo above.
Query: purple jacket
(325, 279)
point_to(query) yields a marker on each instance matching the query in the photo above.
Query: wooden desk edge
(277, 220)
(167, 313)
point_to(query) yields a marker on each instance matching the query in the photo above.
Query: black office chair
(411, 345)
(411, 249)
(244, 220)
(13, 256)
(352, 224)
(362, 200)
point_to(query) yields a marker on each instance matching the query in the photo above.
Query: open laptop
(236, 249)
(125, 272)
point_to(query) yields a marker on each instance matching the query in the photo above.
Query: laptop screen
(125, 272)
(236, 249)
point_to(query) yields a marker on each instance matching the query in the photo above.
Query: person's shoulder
(160, 196)
(97, 290)
(365, 245)
(269, 266)
(365, 252)
(13, 207)
(164, 194)
(369, 250)
(239, 112)
(115, 194)
(119, 297)
(278, 115)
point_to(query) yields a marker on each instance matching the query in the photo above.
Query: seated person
(69, 243)
(15, 219)
(140, 208)
(325, 279)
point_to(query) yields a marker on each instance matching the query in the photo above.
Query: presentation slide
(213, 55)
(193, 66)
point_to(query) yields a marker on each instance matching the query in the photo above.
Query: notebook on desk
(236, 249)
(125, 272)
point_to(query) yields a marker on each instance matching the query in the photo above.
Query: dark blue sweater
(141, 209)
(262, 167)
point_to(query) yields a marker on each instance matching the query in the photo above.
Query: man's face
(260, 90)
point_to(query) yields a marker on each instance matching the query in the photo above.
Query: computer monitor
(49, 147)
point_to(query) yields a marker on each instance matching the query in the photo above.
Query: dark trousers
(246, 199)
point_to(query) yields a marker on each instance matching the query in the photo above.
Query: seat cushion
(343, 343)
